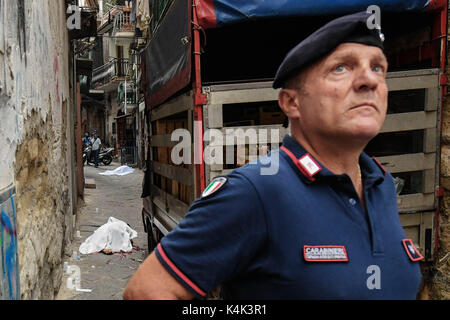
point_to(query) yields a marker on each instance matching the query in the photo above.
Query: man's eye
(340, 68)
(377, 69)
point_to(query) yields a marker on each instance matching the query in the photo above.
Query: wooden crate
(426, 119)
(172, 186)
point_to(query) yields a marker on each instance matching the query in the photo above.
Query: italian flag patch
(214, 186)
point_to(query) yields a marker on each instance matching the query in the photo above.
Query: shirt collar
(311, 169)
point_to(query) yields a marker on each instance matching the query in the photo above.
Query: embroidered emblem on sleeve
(214, 186)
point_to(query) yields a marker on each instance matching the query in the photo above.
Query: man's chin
(366, 128)
(360, 135)
(365, 135)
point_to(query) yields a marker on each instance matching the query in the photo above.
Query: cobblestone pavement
(118, 197)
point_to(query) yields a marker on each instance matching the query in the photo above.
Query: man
(86, 143)
(86, 139)
(96, 144)
(326, 226)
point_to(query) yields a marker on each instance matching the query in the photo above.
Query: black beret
(350, 28)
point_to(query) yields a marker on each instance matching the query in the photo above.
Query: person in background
(86, 139)
(96, 145)
(87, 143)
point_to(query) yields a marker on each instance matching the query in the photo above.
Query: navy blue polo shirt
(299, 234)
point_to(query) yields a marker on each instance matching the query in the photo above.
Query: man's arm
(214, 243)
(153, 282)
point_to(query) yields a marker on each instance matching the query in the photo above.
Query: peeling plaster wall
(35, 127)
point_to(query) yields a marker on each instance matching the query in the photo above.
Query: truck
(208, 70)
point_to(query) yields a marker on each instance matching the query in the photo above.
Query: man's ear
(288, 101)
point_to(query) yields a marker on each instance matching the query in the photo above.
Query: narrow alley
(187, 92)
(118, 197)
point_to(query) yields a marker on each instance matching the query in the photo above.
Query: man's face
(344, 95)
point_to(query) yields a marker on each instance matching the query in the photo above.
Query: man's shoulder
(266, 175)
(272, 169)
(251, 178)
(233, 192)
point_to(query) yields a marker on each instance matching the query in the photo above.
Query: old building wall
(36, 133)
(113, 110)
(93, 119)
(439, 274)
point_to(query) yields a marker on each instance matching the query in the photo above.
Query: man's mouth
(365, 104)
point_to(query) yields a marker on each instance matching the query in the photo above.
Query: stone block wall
(36, 137)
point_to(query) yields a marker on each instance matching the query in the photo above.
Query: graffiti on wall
(9, 261)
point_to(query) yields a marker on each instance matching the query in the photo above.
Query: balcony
(109, 76)
(118, 20)
(130, 96)
(123, 27)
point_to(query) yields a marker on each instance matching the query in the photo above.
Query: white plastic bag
(115, 235)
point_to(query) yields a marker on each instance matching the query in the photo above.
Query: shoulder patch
(215, 185)
(411, 250)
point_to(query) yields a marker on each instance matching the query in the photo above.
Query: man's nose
(366, 79)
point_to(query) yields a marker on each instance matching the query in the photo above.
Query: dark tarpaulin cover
(217, 13)
(167, 58)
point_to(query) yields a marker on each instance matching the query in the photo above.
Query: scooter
(105, 156)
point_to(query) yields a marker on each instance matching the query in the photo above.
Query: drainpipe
(126, 92)
(100, 8)
(199, 101)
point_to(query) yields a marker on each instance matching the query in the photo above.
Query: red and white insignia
(411, 250)
(325, 253)
(310, 166)
(306, 164)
